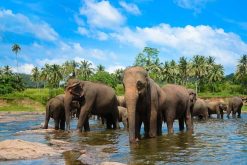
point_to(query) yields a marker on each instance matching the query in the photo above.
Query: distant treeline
(200, 72)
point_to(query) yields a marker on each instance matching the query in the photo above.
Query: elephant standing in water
(123, 116)
(143, 99)
(234, 105)
(55, 109)
(178, 105)
(216, 107)
(200, 109)
(95, 99)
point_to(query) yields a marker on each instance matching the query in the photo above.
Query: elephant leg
(85, 109)
(159, 125)
(218, 113)
(181, 123)
(56, 124)
(108, 123)
(47, 118)
(62, 124)
(188, 120)
(138, 127)
(221, 113)
(239, 112)
(86, 125)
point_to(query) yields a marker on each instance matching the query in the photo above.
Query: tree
(35, 76)
(85, 70)
(216, 75)
(105, 78)
(55, 75)
(241, 73)
(119, 75)
(100, 68)
(199, 70)
(16, 48)
(183, 68)
(149, 59)
(69, 69)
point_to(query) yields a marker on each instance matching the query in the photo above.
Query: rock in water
(19, 149)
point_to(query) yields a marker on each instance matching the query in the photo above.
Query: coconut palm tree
(7, 70)
(183, 68)
(85, 69)
(16, 48)
(241, 73)
(119, 75)
(199, 69)
(55, 75)
(216, 75)
(100, 68)
(35, 76)
(69, 69)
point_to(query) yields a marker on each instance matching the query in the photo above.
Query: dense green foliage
(105, 78)
(10, 82)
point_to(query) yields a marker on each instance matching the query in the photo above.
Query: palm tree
(100, 68)
(216, 75)
(85, 69)
(119, 75)
(174, 71)
(70, 69)
(16, 48)
(45, 73)
(7, 70)
(55, 75)
(166, 74)
(199, 69)
(241, 73)
(183, 67)
(35, 75)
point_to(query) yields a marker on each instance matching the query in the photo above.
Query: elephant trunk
(67, 103)
(131, 100)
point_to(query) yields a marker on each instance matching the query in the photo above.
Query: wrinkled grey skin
(96, 99)
(234, 106)
(200, 109)
(216, 107)
(177, 106)
(123, 116)
(143, 99)
(55, 109)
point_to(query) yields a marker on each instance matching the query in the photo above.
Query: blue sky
(112, 33)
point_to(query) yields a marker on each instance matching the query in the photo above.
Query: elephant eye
(139, 85)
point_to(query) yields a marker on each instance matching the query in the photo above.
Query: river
(216, 141)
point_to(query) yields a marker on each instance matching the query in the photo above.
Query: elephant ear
(76, 90)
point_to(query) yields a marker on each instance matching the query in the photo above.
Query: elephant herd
(144, 102)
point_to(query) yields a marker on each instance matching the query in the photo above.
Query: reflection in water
(213, 142)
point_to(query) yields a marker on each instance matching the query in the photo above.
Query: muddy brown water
(213, 142)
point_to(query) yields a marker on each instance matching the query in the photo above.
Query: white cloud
(195, 5)
(101, 14)
(20, 24)
(130, 7)
(112, 69)
(25, 68)
(83, 31)
(187, 41)
(101, 36)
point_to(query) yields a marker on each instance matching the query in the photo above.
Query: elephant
(123, 116)
(177, 105)
(234, 105)
(95, 98)
(121, 101)
(216, 107)
(55, 109)
(200, 109)
(143, 99)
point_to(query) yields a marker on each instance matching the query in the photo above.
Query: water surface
(216, 141)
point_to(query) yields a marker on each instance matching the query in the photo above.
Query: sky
(112, 33)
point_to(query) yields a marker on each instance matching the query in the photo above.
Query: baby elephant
(216, 107)
(200, 109)
(123, 116)
(55, 109)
